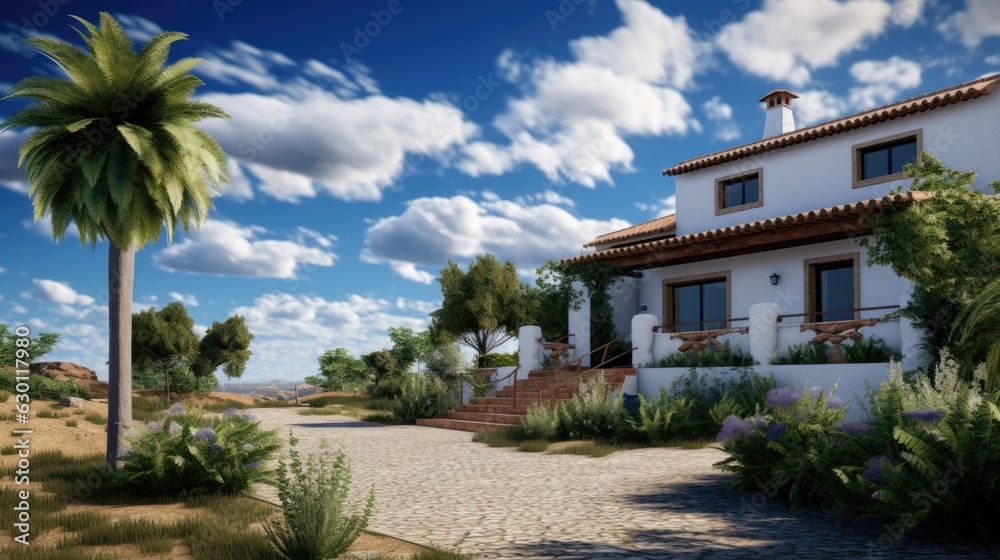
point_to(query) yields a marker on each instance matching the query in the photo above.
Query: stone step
(509, 419)
(493, 408)
(463, 425)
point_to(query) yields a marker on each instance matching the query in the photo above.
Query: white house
(765, 238)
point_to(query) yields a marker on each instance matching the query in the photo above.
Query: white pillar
(642, 338)
(530, 351)
(579, 324)
(764, 331)
(911, 336)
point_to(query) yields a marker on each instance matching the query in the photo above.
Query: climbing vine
(555, 282)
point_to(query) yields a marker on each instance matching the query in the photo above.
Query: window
(696, 303)
(883, 159)
(739, 192)
(832, 288)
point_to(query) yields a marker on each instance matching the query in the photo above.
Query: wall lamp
(774, 279)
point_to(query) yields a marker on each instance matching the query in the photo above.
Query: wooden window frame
(668, 294)
(720, 198)
(857, 182)
(809, 273)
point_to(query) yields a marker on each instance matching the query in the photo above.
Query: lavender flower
(216, 448)
(175, 428)
(154, 426)
(247, 447)
(783, 397)
(254, 465)
(776, 430)
(874, 471)
(834, 402)
(177, 409)
(733, 427)
(231, 411)
(815, 392)
(854, 428)
(204, 434)
(928, 415)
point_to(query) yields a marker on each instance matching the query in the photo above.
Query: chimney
(779, 118)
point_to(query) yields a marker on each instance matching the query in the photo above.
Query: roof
(774, 91)
(892, 111)
(659, 225)
(814, 226)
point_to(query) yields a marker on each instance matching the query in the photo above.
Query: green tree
(484, 307)
(164, 338)
(116, 151)
(379, 366)
(408, 347)
(225, 344)
(978, 328)
(40, 346)
(556, 295)
(948, 246)
(446, 363)
(338, 369)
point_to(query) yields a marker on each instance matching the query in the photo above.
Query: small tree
(224, 344)
(337, 370)
(481, 308)
(446, 363)
(164, 338)
(40, 345)
(408, 347)
(380, 365)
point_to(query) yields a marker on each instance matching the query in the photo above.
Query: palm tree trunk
(121, 272)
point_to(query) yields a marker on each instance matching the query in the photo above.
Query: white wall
(817, 174)
(751, 284)
(625, 302)
(852, 378)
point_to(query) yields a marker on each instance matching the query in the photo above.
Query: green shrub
(803, 354)
(71, 423)
(869, 350)
(655, 416)
(540, 422)
(388, 389)
(423, 397)
(51, 414)
(191, 454)
(43, 388)
(4, 395)
(95, 418)
(498, 359)
(722, 356)
(317, 521)
(595, 412)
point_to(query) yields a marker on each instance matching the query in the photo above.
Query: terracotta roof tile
(892, 111)
(751, 228)
(659, 225)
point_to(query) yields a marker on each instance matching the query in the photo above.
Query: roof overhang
(817, 226)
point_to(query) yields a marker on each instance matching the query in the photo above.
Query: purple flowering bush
(193, 454)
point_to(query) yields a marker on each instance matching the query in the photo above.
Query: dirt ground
(329, 394)
(51, 434)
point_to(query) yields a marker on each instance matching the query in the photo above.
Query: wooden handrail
(514, 384)
(604, 360)
(542, 340)
(859, 309)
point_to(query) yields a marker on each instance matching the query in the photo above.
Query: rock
(86, 378)
(71, 402)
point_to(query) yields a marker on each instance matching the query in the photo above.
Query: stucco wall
(851, 380)
(817, 174)
(750, 280)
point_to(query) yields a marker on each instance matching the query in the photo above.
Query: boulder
(71, 402)
(86, 378)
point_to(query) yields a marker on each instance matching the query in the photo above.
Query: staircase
(505, 410)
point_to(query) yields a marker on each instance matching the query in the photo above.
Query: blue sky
(371, 141)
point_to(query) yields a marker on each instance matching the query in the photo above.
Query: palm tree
(115, 151)
(977, 333)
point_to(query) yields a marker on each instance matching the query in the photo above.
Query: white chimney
(779, 119)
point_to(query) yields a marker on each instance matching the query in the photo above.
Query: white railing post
(642, 339)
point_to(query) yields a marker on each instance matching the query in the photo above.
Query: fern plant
(655, 416)
(721, 356)
(869, 350)
(803, 354)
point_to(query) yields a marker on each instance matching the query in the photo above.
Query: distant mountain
(274, 389)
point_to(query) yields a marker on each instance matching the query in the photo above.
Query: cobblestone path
(436, 487)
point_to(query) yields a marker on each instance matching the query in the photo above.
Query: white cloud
(189, 300)
(18, 309)
(721, 113)
(226, 248)
(980, 19)
(660, 208)
(244, 64)
(432, 230)
(882, 80)
(787, 39)
(239, 187)
(544, 197)
(905, 13)
(44, 227)
(573, 118)
(814, 106)
(993, 59)
(54, 291)
(138, 28)
(16, 186)
(2, 270)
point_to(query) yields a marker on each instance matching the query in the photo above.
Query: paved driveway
(436, 487)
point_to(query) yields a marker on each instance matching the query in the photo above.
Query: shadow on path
(340, 425)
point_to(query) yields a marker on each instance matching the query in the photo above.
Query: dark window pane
(750, 190)
(687, 308)
(903, 154)
(714, 305)
(734, 194)
(835, 292)
(875, 163)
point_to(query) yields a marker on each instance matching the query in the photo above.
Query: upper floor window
(739, 191)
(883, 159)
